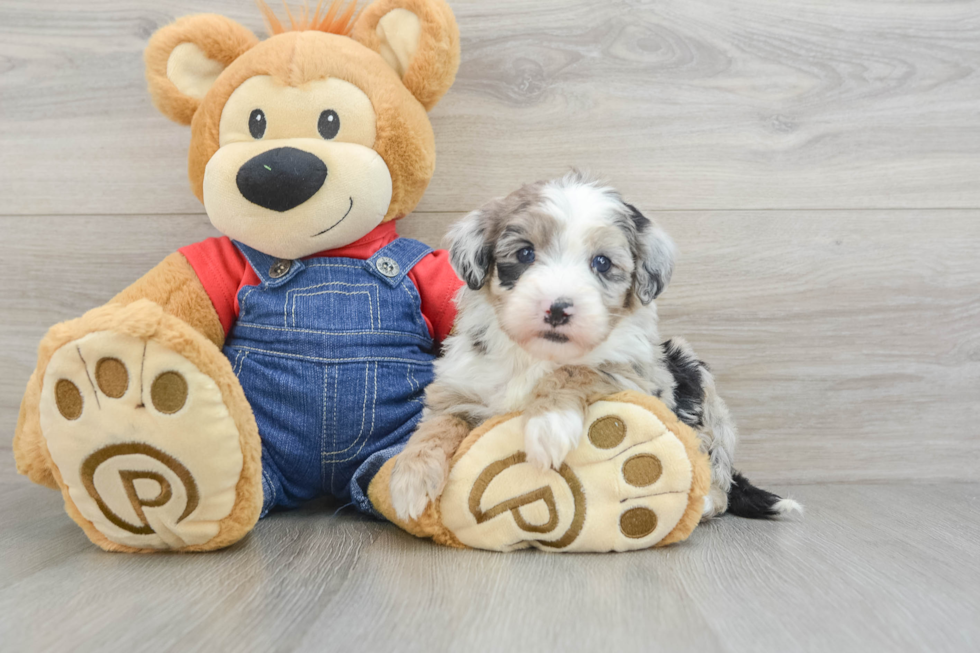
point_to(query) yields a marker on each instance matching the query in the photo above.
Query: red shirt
(224, 272)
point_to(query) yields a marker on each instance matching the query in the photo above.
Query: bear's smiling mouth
(349, 209)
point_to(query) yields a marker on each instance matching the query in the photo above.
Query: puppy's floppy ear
(184, 59)
(418, 38)
(471, 249)
(655, 253)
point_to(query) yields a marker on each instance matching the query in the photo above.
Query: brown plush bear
(289, 358)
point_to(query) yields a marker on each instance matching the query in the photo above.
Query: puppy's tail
(746, 500)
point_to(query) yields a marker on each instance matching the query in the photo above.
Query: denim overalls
(334, 357)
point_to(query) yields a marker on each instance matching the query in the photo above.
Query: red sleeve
(222, 269)
(437, 284)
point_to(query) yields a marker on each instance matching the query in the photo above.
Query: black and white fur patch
(688, 389)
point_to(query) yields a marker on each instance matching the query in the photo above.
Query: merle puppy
(558, 310)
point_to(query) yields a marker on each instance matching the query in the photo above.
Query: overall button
(387, 266)
(280, 268)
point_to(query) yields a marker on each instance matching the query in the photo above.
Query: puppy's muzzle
(281, 179)
(559, 314)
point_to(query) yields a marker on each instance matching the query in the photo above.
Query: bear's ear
(184, 59)
(418, 38)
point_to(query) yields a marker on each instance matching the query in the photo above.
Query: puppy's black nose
(558, 314)
(281, 179)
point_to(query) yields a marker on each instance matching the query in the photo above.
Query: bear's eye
(329, 124)
(601, 264)
(256, 124)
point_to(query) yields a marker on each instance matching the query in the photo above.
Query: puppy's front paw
(418, 477)
(549, 437)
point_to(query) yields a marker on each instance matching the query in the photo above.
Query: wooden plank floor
(707, 104)
(891, 567)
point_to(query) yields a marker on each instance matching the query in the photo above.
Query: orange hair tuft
(334, 21)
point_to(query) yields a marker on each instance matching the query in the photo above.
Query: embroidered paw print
(142, 439)
(640, 471)
(626, 486)
(168, 392)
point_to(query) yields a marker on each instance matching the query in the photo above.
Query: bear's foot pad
(144, 444)
(627, 486)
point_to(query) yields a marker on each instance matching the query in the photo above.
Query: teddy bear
(288, 358)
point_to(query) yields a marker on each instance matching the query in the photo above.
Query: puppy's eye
(601, 264)
(526, 255)
(329, 124)
(256, 124)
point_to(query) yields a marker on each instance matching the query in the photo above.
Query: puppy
(558, 311)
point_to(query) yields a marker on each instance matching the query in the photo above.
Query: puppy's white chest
(518, 389)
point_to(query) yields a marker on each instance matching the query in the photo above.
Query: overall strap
(272, 271)
(392, 262)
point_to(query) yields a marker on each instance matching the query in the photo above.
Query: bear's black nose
(281, 179)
